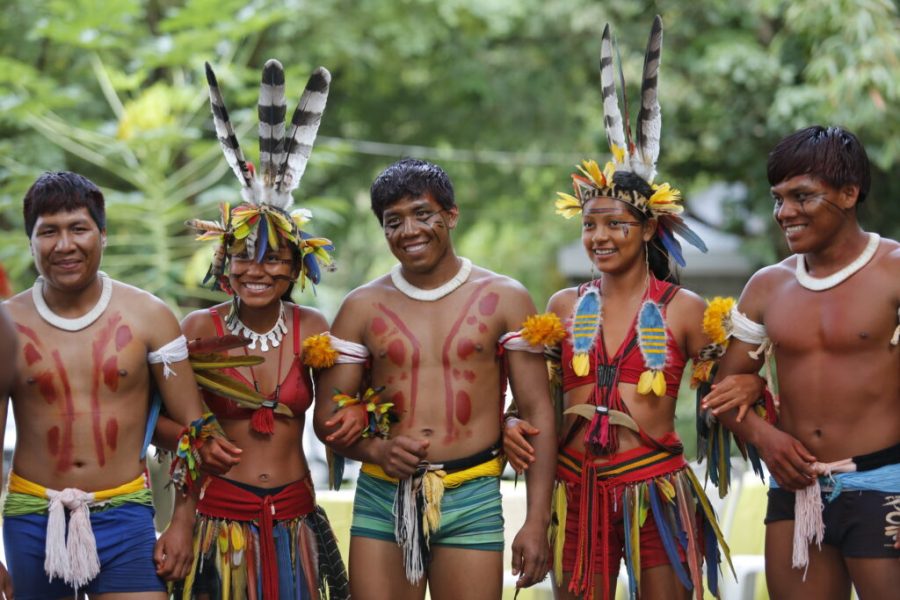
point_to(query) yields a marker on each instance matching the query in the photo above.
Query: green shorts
(471, 514)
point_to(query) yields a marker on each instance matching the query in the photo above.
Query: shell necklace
(417, 293)
(78, 323)
(818, 284)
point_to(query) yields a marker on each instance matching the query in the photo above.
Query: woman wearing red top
(624, 488)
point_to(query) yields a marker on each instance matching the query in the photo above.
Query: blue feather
(671, 245)
(587, 317)
(152, 418)
(712, 558)
(262, 238)
(627, 509)
(666, 536)
(652, 335)
(677, 226)
(312, 268)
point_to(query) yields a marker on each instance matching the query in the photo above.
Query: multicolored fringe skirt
(627, 488)
(253, 547)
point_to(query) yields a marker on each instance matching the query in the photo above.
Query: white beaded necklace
(273, 336)
(817, 284)
(417, 293)
(78, 323)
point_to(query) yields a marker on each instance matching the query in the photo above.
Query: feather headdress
(264, 219)
(629, 175)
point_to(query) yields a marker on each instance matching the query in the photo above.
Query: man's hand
(173, 553)
(530, 555)
(350, 422)
(400, 456)
(6, 586)
(788, 460)
(218, 455)
(735, 391)
(519, 452)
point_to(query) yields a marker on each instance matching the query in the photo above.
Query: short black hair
(62, 191)
(410, 177)
(831, 154)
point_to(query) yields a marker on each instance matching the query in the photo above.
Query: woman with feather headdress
(259, 532)
(624, 489)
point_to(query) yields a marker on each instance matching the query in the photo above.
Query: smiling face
(612, 235)
(67, 247)
(417, 230)
(810, 211)
(259, 284)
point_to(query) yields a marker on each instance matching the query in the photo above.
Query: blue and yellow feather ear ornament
(651, 334)
(585, 326)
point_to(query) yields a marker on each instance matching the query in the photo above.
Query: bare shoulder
(563, 302)
(199, 323)
(760, 287)
(312, 321)
(20, 306)
(687, 302)
(357, 306)
(151, 318)
(512, 294)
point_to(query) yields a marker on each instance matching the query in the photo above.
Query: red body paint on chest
(488, 305)
(449, 399)
(45, 386)
(465, 348)
(64, 460)
(123, 336)
(378, 326)
(396, 352)
(399, 402)
(112, 433)
(415, 356)
(31, 354)
(463, 407)
(469, 375)
(99, 346)
(53, 440)
(111, 373)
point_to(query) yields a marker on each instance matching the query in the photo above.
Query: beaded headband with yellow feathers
(629, 175)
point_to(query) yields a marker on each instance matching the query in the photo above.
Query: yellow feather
(659, 384)
(645, 383)
(581, 364)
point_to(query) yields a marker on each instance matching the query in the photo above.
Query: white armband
(348, 352)
(746, 330)
(172, 352)
(514, 340)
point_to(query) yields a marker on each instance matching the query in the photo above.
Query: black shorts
(860, 524)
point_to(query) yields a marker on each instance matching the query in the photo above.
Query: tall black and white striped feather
(225, 132)
(612, 115)
(649, 121)
(304, 127)
(272, 109)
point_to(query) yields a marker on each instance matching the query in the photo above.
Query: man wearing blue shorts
(78, 516)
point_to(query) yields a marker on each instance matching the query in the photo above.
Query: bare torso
(80, 399)
(267, 460)
(839, 376)
(438, 361)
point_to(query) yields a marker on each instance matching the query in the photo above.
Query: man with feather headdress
(827, 317)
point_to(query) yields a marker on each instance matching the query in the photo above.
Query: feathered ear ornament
(585, 325)
(651, 334)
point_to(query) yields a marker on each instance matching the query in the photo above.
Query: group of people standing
(410, 379)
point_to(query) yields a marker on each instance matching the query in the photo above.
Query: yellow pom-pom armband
(318, 352)
(543, 330)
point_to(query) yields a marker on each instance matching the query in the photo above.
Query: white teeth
(414, 247)
(604, 251)
(794, 228)
(256, 287)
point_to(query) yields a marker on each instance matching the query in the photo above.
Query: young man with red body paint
(830, 313)
(90, 349)
(432, 330)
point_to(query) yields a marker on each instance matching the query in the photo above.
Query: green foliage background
(503, 93)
